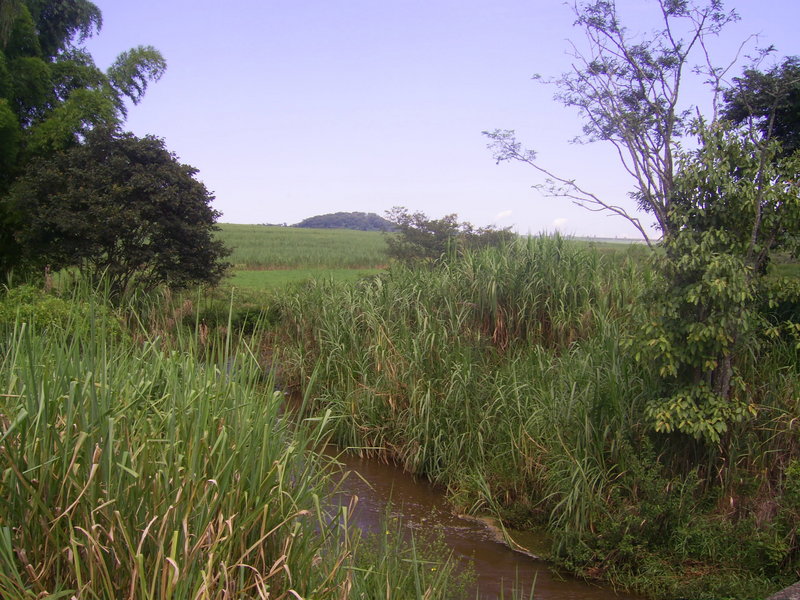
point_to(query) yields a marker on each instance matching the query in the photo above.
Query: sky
(293, 108)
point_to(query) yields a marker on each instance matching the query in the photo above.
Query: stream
(421, 506)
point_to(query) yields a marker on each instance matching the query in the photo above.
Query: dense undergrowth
(510, 376)
(145, 453)
(141, 457)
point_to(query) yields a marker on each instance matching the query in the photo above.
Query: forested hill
(348, 220)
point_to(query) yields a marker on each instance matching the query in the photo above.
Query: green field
(267, 247)
(272, 258)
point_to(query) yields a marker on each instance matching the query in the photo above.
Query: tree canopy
(51, 92)
(121, 208)
(768, 101)
(419, 238)
(735, 202)
(50, 89)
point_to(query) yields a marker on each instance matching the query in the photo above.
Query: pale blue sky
(291, 108)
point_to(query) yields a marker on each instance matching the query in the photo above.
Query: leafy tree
(735, 200)
(768, 102)
(119, 207)
(721, 209)
(51, 92)
(419, 238)
(628, 91)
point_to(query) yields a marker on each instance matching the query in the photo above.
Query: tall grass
(508, 376)
(474, 372)
(134, 467)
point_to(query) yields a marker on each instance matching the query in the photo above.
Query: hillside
(359, 221)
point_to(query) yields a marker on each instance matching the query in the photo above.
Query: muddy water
(422, 507)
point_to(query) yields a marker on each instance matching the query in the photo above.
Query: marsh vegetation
(513, 378)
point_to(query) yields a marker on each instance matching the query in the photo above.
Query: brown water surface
(422, 507)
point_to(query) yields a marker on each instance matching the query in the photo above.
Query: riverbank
(143, 458)
(511, 379)
(500, 568)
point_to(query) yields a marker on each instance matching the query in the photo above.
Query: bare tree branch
(506, 147)
(628, 91)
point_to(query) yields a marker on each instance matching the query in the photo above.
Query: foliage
(148, 470)
(500, 374)
(703, 321)
(734, 203)
(51, 92)
(347, 220)
(419, 238)
(743, 187)
(722, 211)
(121, 208)
(792, 484)
(443, 363)
(28, 303)
(46, 65)
(628, 91)
(768, 101)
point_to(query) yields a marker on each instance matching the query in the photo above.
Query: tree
(628, 91)
(418, 238)
(118, 207)
(768, 102)
(51, 92)
(735, 200)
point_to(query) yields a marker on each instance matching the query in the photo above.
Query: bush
(29, 304)
(419, 238)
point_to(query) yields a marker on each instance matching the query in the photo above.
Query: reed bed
(267, 247)
(509, 376)
(471, 371)
(135, 466)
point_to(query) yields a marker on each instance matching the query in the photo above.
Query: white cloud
(503, 215)
(560, 222)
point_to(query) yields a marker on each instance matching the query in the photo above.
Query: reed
(133, 466)
(468, 372)
(509, 376)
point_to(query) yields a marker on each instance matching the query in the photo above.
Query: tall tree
(735, 201)
(52, 93)
(628, 90)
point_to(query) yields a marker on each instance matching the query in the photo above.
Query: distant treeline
(348, 220)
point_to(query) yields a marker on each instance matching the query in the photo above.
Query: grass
(144, 453)
(277, 279)
(142, 459)
(506, 376)
(268, 247)
(785, 266)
